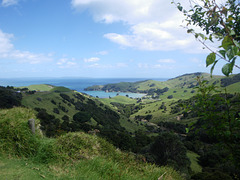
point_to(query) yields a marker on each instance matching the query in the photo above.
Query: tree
(219, 117)
(219, 22)
(81, 117)
(169, 150)
(9, 98)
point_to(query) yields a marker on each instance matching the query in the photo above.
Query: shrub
(55, 110)
(9, 98)
(16, 137)
(81, 117)
(169, 150)
(79, 145)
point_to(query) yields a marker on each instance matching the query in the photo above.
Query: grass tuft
(15, 135)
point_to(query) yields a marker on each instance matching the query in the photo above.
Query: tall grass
(16, 137)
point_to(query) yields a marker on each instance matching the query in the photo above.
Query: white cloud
(166, 61)
(143, 65)
(154, 25)
(154, 66)
(154, 36)
(5, 42)
(110, 11)
(7, 3)
(160, 66)
(92, 59)
(102, 53)
(101, 66)
(66, 63)
(7, 51)
(108, 66)
(121, 65)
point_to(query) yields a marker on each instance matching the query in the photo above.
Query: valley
(164, 120)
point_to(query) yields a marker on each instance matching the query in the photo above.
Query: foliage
(220, 22)
(231, 80)
(127, 109)
(218, 113)
(173, 127)
(81, 117)
(218, 125)
(9, 97)
(211, 176)
(49, 124)
(15, 135)
(167, 149)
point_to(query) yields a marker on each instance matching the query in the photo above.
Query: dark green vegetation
(9, 97)
(187, 123)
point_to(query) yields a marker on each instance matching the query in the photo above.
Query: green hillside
(181, 87)
(67, 104)
(70, 156)
(152, 128)
(38, 87)
(162, 107)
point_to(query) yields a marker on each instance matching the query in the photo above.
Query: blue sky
(96, 38)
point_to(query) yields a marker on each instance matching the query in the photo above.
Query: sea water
(78, 84)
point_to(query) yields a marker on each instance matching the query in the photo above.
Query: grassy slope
(71, 156)
(39, 87)
(179, 88)
(43, 100)
(233, 87)
(118, 99)
(33, 101)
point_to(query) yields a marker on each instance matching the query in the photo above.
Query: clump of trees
(9, 97)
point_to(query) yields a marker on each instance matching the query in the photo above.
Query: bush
(169, 150)
(55, 110)
(79, 145)
(9, 98)
(16, 137)
(211, 176)
(81, 117)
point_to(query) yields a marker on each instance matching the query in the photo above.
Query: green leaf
(201, 35)
(231, 52)
(212, 68)
(223, 53)
(232, 33)
(210, 38)
(190, 30)
(226, 42)
(180, 8)
(236, 43)
(226, 69)
(230, 19)
(232, 64)
(210, 59)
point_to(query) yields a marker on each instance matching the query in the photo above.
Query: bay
(77, 84)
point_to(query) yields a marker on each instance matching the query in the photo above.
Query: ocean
(77, 84)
